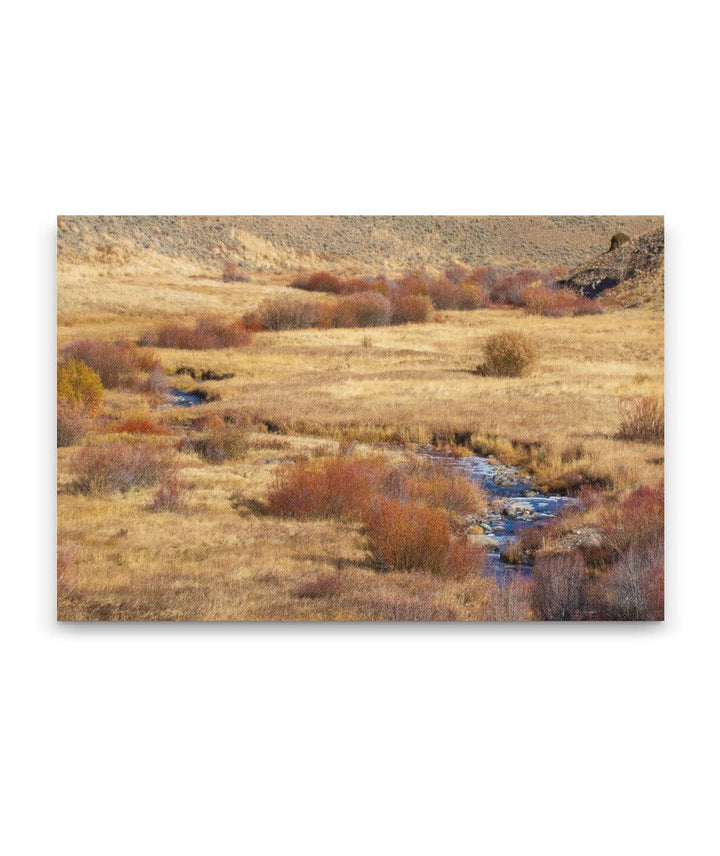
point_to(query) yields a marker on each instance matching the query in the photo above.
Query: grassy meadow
(215, 553)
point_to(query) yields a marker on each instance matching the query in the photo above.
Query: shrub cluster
(462, 289)
(207, 334)
(121, 465)
(407, 512)
(119, 364)
(359, 309)
(507, 354)
(538, 299)
(643, 420)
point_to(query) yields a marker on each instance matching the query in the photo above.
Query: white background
(359, 739)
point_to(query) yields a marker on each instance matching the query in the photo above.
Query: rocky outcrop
(630, 258)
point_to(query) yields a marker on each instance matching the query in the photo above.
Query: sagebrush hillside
(366, 244)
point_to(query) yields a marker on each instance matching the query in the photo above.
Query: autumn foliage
(408, 512)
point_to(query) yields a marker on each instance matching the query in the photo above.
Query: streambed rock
(518, 509)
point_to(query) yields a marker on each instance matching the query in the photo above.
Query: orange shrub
(430, 484)
(406, 538)
(411, 309)
(141, 425)
(335, 487)
(540, 300)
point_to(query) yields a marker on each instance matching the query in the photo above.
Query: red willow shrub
(119, 364)
(406, 510)
(636, 521)
(336, 487)
(411, 309)
(207, 334)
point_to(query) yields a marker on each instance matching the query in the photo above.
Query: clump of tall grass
(170, 496)
(643, 420)
(507, 354)
(223, 441)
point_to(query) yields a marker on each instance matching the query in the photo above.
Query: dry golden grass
(411, 382)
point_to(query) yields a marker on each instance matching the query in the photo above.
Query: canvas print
(344, 418)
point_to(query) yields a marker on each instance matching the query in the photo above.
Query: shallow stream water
(505, 487)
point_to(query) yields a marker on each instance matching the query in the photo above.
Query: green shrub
(79, 386)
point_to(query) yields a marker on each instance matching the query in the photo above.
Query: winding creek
(513, 502)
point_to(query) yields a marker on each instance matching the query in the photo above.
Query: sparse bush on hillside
(118, 364)
(72, 423)
(207, 334)
(643, 420)
(79, 386)
(232, 273)
(507, 354)
(121, 466)
(324, 585)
